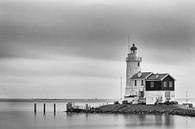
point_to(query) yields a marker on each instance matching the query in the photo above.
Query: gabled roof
(158, 77)
(144, 75)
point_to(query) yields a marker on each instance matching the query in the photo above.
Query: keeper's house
(146, 87)
(159, 87)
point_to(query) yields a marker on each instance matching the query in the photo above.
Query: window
(138, 64)
(135, 82)
(170, 84)
(142, 82)
(151, 84)
(165, 84)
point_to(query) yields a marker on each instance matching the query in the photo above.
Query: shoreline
(140, 109)
(55, 100)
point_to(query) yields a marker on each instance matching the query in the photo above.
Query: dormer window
(135, 82)
(138, 64)
(139, 74)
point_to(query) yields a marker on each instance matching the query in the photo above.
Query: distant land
(180, 100)
(55, 100)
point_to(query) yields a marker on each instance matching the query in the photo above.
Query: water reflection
(158, 120)
(148, 120)
(86, 116)
(186, 122)
(128, 120)
(21, 115)
(54, 114)
(169, 120)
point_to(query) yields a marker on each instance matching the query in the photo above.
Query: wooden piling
(54, 106)
(87, 107)
(69, 107)
(35, 108)
(44, 108)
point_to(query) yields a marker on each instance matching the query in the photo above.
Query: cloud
(59, 66)
(92, 30)
(59, 77)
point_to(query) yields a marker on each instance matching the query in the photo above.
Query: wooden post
(87, 107)
(54, 106)
(69, 107)
(35, 107)
(44, 107)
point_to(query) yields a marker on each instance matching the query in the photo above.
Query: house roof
(158, 77)
(143, 75)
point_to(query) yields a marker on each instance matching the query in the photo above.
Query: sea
(20, 115)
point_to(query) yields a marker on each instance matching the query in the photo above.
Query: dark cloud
(95, 31)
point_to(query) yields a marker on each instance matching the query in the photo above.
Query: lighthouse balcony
(138, 59)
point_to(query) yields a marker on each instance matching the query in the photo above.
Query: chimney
(139, 74)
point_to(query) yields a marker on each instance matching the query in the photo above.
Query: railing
(133, 58)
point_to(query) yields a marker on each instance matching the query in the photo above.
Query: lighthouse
(146, 87)
(133, 66)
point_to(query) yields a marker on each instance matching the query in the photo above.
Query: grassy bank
(140, 109)
(146, 109)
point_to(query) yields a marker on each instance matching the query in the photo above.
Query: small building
(159, 88)
(146, 87)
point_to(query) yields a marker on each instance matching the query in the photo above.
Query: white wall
(131, 69)
(151, 96)
(132, 89)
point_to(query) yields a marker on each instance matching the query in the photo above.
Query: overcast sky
(77, 48)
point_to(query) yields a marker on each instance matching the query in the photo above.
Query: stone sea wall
(142, 109)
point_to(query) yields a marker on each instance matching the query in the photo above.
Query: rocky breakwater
(146, 109)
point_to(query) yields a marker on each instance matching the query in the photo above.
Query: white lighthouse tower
(133, 67)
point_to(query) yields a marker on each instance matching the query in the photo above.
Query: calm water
(15, 115)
